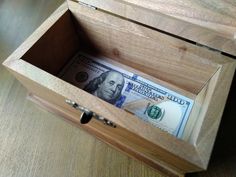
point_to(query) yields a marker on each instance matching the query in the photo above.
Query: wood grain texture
(163, 57)
(122, 118)
(209, 128)
(55, 90)
(35, 142)
(56, 48)
(223, 158)
(217, 15)
(49, 140)
(172, 151)
(95, 127)
(211, 23)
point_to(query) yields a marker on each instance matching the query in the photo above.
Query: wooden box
(192, 56)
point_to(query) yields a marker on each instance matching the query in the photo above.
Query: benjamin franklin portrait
(107, 86)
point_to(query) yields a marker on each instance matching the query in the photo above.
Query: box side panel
(194, 125)
(36, 35)
(59, 43)
(213, 111)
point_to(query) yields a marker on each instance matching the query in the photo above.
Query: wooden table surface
(34, 142)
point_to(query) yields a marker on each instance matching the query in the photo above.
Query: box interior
(152, 55)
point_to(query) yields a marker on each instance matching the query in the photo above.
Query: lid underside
(208, 22)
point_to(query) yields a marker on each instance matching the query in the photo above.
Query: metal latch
(87, 115)
(87, 5)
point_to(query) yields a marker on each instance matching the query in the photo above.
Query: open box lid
(209, 23)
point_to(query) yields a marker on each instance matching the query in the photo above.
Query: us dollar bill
(147, 100)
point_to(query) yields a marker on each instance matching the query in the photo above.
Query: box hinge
(87, 5)
(209, 48)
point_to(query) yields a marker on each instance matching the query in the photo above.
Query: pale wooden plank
(210, 24)
(216, 15)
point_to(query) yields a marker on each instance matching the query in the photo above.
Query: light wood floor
(36, 143)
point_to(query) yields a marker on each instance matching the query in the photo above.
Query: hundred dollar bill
(147, 100)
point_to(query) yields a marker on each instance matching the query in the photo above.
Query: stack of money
(147, 100)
